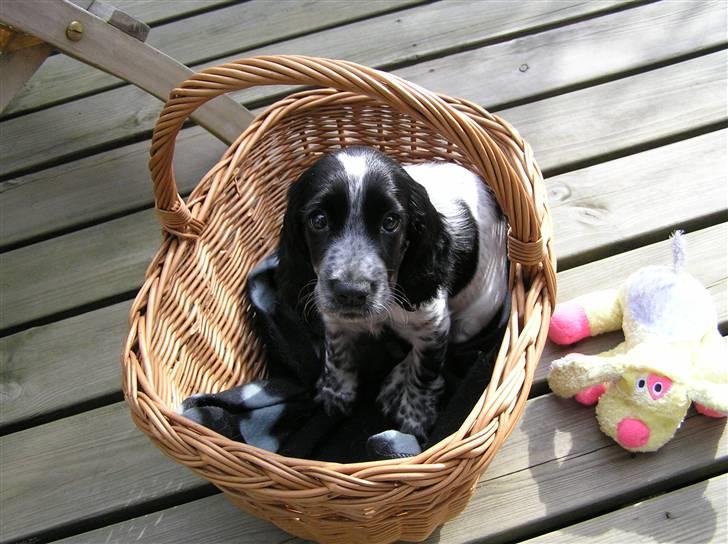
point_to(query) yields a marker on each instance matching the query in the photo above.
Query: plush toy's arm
(588, 315)
(575, 372)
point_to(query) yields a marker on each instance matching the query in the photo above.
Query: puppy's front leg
(336, 388)
(411, 393)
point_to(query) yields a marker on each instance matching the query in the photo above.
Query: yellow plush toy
(672, 354)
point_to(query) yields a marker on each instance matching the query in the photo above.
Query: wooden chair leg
(20, 57)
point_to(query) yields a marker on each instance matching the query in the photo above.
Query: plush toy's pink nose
(632, 433)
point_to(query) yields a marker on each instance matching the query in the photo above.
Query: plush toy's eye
(641, 384)
(658, 385)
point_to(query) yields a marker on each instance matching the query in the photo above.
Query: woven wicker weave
(191, 327)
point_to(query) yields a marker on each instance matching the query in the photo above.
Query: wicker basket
(191, 327)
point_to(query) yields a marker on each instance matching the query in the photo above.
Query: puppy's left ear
(425, 264)
(294, 266)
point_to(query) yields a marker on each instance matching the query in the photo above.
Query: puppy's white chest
(431, 317)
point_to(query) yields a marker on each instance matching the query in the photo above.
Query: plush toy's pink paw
(708, 412)
(569, 324)
(590, 395)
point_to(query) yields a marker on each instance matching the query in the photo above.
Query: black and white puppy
(420, 249)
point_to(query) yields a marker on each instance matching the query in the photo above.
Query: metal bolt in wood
(74, 31)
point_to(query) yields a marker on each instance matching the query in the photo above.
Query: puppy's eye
(318, 220)
(391, 222)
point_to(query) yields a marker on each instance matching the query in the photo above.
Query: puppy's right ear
(294, 267)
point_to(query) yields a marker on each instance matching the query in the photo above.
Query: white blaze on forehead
(355, 167)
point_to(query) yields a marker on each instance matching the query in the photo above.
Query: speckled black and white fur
(369, 244)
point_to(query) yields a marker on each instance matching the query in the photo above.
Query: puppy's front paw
(335, 393)
(413, 408)
(390, 394)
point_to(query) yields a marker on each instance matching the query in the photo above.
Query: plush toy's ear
(713, 396)
(708, 386)
(575, 372)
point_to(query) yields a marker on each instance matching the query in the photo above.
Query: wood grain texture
(558, 59)
(101, 185)
(610, 207)
(17, 67)
(33, 291)
(154, 11)
(540, 476)
(697, 514)
(240, 29)
(61, 197)
(79, 467)
(53, 367)
(119, 250)
(128, 112)
(235, 28)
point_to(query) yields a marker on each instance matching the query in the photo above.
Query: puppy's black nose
(349, 293)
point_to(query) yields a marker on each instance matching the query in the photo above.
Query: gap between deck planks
(122, 115)
(54, 192)
(64, 458)
(230, 28)
(154, 12)
(34, 360)
(696, 514)
(241, 28)
(561, 129)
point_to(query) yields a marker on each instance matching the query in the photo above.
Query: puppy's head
(355, 225)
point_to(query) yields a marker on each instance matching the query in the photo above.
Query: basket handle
(417, 102)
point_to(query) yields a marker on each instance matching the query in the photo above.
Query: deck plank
(565, 57)
(62, 198)
(96, 269)
(79, 467)
(124, 113)
(239, 30)
(51, 368)
(543, 467)
(697, 513)
(34, 359)
(153, 12)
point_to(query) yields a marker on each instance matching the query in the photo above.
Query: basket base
(402, 527)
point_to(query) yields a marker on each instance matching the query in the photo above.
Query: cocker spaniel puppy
(420, 249)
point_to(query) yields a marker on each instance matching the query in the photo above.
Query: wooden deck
(625, 106)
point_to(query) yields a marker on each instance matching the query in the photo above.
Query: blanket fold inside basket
(278, 413)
